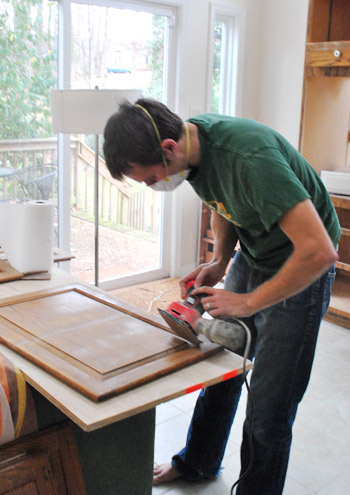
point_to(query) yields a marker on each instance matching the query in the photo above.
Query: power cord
(250, 431)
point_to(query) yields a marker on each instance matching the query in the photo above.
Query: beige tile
(170, 438)
(223, 483)
(164, 489)
(176, 488)
(291, 487)
(160, 490)
(340, 486)
(313, 469)
(186, 403)
(166, 412)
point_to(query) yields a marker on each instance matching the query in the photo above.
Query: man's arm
(225, 239)
(313, 254)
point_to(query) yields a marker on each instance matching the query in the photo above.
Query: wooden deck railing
(119, 203)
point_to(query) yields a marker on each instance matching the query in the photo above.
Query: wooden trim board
(99, 345)
(8, 273)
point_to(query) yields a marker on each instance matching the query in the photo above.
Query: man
(265, 195)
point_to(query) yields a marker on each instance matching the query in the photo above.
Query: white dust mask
(170, 182)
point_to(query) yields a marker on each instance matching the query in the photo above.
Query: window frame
(234, 20)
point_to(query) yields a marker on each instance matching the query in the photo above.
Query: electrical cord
(250, 431)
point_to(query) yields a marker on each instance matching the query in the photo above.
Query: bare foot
(162, 473)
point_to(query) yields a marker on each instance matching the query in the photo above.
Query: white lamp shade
(86, 111)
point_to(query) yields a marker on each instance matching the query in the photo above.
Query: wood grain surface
(7, 272)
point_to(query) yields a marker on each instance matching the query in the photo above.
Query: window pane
(217, 68)
(118, 49)
(28, 72)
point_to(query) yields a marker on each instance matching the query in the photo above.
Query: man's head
(130, 136)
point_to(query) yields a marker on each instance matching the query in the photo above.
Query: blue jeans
(283, 345)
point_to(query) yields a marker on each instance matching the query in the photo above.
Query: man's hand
(207, 273)
(224, 304)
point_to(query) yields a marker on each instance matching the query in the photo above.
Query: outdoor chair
(37, 182)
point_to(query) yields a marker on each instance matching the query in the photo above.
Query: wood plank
(8, 273)
(343, 266)
(339, 308)
(58, 255)
(335, 54)
(97, 344)
(325, 100)
(318, 20)
(340, 201)
(340, 21)
(61, 255)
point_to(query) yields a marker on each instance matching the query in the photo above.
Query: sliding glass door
(117, 47)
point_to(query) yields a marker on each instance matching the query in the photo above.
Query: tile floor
(320, 458)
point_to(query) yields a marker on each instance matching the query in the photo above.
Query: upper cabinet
(324, 130)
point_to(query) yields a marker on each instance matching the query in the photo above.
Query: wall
(281, 65)
(271, 88)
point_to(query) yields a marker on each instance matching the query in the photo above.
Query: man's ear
(169, 146)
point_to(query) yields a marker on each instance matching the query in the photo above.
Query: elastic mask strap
(188, 145)
(158, 136)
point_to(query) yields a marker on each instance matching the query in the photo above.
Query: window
(28, 72)
(225, 58)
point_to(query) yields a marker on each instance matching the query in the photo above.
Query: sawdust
(151, 296)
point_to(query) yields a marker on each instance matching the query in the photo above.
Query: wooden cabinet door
(98, 344)
(44, 463)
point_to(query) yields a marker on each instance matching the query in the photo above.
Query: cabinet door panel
(98, 344)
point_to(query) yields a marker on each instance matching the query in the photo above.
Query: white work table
(90, 415)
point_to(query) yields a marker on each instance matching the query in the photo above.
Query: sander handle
(193, 302)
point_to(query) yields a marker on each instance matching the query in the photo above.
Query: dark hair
(129, 135)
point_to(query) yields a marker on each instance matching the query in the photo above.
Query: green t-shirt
(251, 175)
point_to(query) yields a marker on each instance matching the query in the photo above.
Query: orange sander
(181, 316)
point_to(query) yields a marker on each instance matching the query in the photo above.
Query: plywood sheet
(98, 344)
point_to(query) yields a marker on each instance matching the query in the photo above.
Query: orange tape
(194, 388)
(230, 374)
(226, 376)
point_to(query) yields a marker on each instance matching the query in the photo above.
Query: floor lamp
(86, 111)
